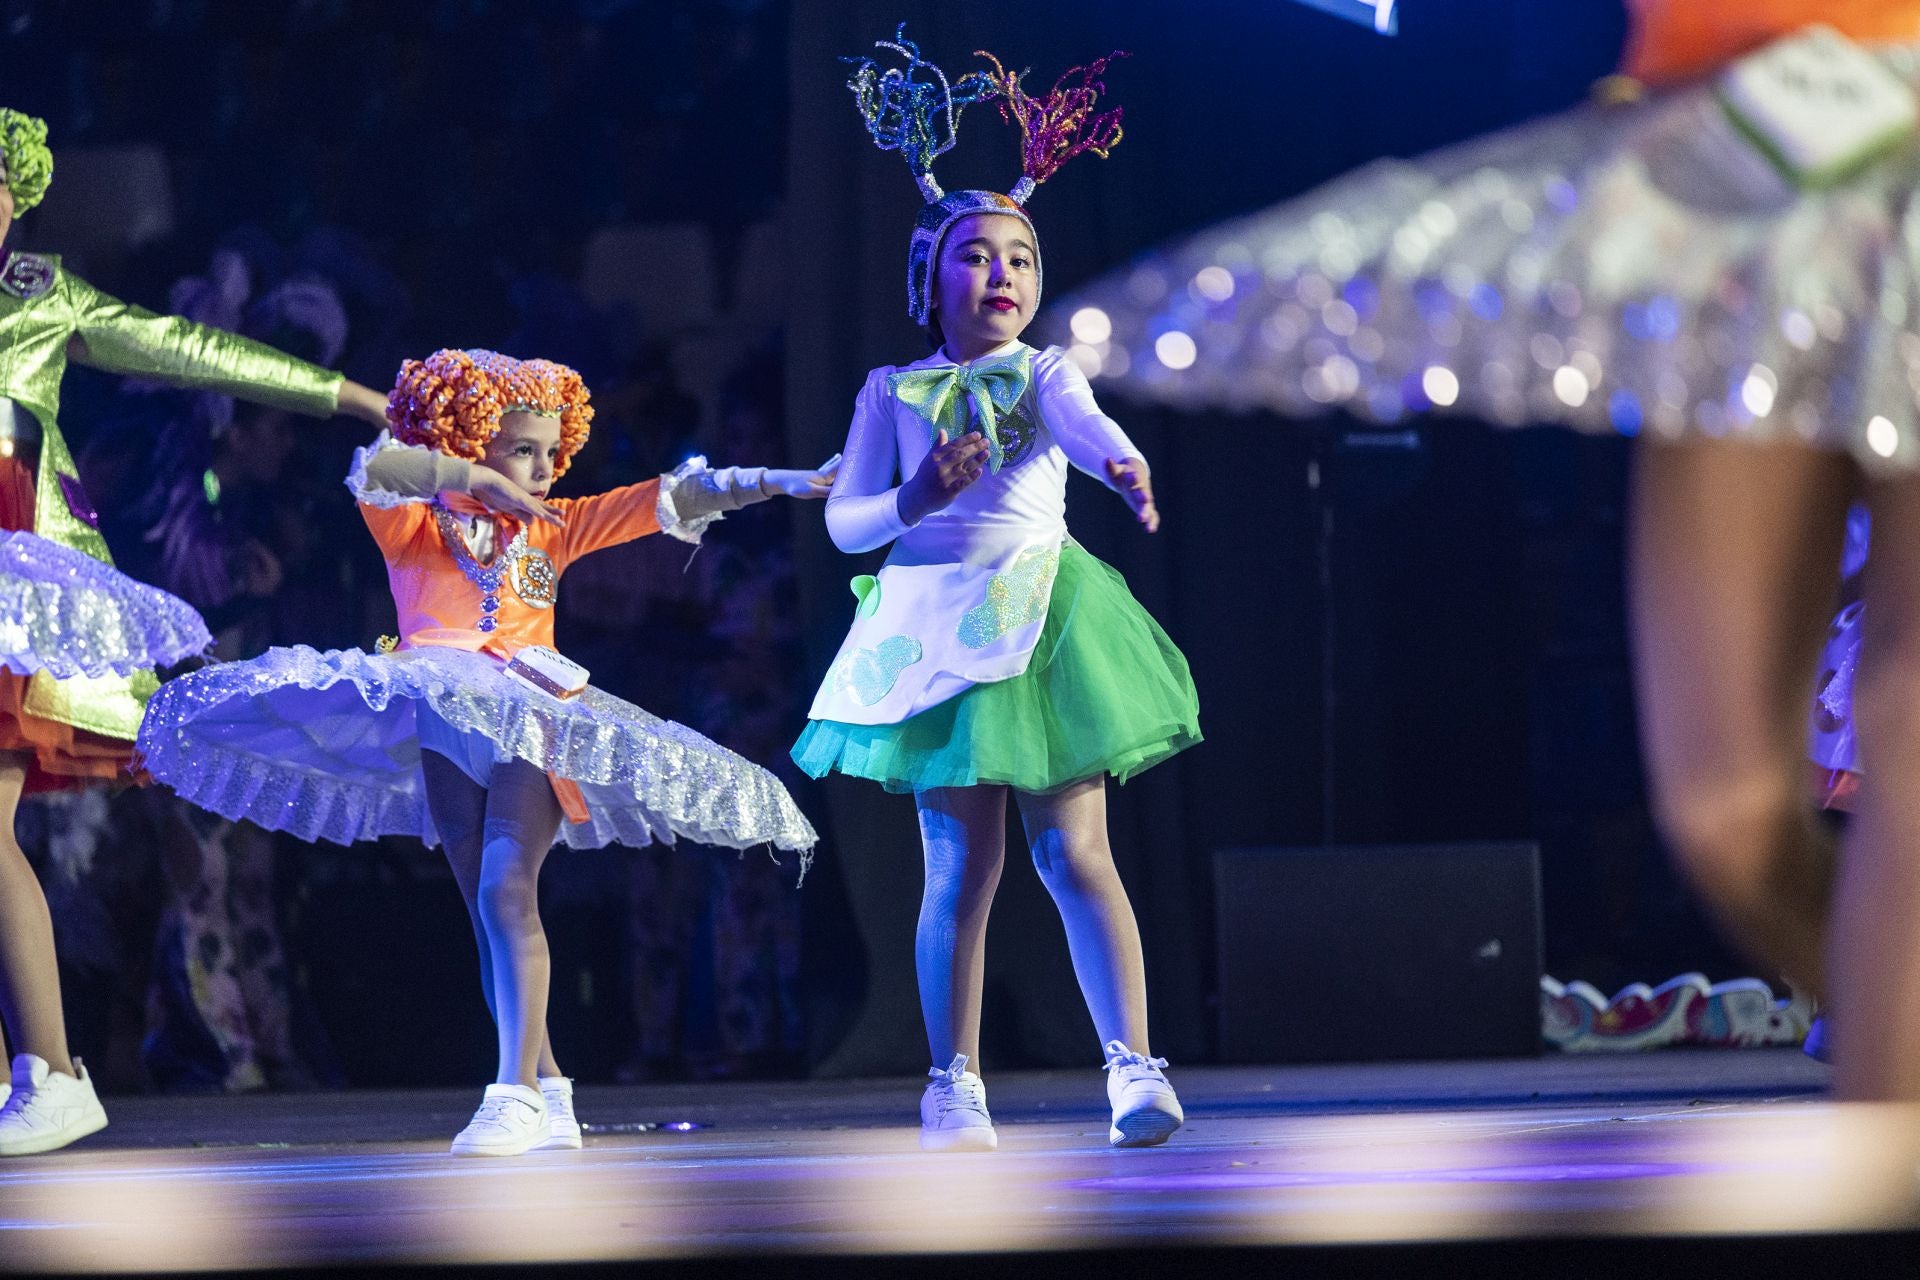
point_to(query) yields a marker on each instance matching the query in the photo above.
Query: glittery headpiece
(915, 110)
(453, 402)
(23, 150)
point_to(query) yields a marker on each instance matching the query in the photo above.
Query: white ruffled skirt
(65, 613)
(326, 746)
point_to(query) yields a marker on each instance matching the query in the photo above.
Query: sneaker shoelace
(1133, 1065)
(954, 1091)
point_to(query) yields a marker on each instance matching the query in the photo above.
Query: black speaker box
(1368, 953)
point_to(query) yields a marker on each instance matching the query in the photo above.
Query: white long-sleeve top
(964, 593)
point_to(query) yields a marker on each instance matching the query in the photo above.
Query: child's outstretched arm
(388, 472)
(680, 504)
(1094, 442)
(702, 492)
(121, 338)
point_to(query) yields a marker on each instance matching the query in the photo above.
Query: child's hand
(497, 493)
(947, 471)
(801, 484)
(1129, 476)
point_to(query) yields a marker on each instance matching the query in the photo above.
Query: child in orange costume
(468, 731)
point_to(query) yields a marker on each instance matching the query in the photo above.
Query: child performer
(77, 638)
(992, 654)
(473, 731)
(1724, 266)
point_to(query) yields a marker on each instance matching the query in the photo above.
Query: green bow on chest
(953, 397)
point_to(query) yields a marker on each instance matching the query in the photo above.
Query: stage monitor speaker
(1386, 952)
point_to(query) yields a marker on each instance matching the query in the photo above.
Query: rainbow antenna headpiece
(24, 153)
(915, 110)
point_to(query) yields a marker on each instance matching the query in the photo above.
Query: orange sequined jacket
(445, 598)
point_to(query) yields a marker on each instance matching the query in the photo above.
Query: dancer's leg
(1874, 945)
(523, 816)
(963, 834)
(29, 972)
(459, 808)
(1067, 834)
(1736, 552)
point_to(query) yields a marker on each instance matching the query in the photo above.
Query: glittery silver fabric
(65, 613)
(324, 746)
(1633, 268)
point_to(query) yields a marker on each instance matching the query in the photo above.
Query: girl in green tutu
(991, 654)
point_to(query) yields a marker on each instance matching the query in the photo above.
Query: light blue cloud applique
(1014, 599)
(869, 674)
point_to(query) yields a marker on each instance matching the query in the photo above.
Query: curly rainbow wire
(1058, 125)
(916, 117)
(29, 162)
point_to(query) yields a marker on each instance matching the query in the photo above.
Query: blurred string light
(1382, 15)
(1175, 349)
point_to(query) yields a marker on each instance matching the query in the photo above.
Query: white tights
(963, 833)
(497, 838)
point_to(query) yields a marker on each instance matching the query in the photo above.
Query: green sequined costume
(49, 316)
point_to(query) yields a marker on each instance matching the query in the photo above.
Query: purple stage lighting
(1382, 15)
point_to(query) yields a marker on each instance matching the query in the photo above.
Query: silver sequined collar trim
(487, 577)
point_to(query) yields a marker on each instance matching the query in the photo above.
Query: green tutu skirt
(1106, 692)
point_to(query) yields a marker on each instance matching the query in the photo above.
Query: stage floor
(1558, 1160)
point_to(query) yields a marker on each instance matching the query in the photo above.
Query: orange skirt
(62, 758)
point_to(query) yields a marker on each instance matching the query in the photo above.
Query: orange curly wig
(453, 401)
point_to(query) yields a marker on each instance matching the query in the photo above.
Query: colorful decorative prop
(1058, 126)
(915, 110)
(1687, 1010)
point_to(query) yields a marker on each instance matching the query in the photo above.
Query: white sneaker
(953, 1111)
(1145, 1110)
(511, 1119)
(47, 1109)
(563, 1127)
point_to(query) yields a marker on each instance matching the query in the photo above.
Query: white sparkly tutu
(325, 746)
(65, 613)
(1614, 268)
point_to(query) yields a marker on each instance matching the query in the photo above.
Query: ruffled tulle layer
(1107, 692)
(65, 613)
(1635, 269)
(324, 746)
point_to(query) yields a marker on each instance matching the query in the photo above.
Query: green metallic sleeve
(122, 338)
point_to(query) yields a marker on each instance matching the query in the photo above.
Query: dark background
(1426, 646)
